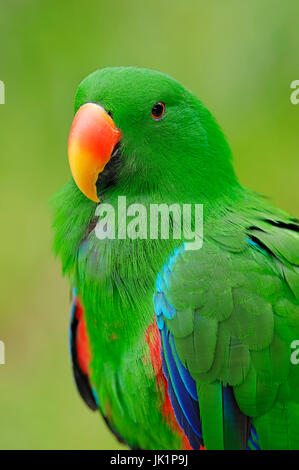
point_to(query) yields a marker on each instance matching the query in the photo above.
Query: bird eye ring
(158, 111)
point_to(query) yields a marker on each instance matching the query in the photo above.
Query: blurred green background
(239, 57)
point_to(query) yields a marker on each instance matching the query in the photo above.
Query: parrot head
(142, 130)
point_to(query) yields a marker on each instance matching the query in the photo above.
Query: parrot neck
(215, 192)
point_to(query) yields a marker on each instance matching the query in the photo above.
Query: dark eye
(158, 111)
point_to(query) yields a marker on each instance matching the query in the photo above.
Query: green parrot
(178, 348)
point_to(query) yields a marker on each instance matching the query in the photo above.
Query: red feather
(154, 342)
(82, 342)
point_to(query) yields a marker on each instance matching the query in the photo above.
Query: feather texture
(235, 339)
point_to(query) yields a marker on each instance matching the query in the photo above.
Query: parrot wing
(227, 315)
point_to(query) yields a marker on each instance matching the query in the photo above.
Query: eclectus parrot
(177, 348)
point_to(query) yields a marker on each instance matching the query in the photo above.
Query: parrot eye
(158, 111)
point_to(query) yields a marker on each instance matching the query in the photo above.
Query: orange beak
(92, 139)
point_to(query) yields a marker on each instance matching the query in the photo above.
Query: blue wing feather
(182, 395)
